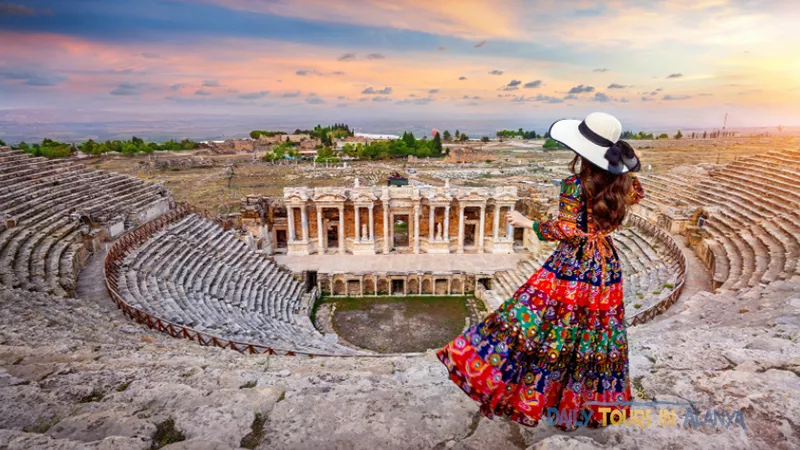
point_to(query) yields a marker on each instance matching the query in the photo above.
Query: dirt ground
(215, 189)
(399, 324)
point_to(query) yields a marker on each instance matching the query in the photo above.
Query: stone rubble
(74, 376)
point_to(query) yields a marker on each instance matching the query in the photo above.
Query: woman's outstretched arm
(561, 228)
(549, 230)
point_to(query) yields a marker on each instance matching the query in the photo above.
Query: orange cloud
(462, 18)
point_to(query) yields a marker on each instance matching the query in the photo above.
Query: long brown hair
(609, 195)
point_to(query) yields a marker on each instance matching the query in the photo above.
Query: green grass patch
(391, 324)
(166, 434)
(637, 386)
(668, 286)
(96, 395)
(42, 425)
(123, 387)
(256, 434)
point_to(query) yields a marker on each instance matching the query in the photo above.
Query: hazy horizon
(201, 127)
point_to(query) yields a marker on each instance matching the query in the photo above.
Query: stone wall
(467, 155)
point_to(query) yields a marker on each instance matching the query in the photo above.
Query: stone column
(460, 229)
(341, 230)
(385, 227)
(304, 220)
(496, 224)
(480, 231)
(290, 220)
(446, 231)
(431, 225)
(358, 224)
(416, 227)
(320, 234)
(371, 224)
(509, 228)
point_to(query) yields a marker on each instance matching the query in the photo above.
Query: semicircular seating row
(650, 273)
(43, 249)
(195, 274)
(753, 206)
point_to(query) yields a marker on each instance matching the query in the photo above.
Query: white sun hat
(596, 138)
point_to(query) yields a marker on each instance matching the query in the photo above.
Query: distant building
(378, 137)
(308, 153)
(309, 144)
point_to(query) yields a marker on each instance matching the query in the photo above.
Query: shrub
(96, 395)
(551, 144)
(166, 434)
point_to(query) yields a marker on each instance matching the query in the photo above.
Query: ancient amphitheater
(133, 321)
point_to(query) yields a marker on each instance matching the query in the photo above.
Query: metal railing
(666, 239)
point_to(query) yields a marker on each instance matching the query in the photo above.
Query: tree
(437, 145)
(458, 135)
(325, 155)
(255, 134)
(2, 143)
(705, 134)
(663, 136)
(485, 139)
(464, 137)
(678, 135)
(447, 137)
(409, 139)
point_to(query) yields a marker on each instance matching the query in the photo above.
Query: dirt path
(91, 286)
(698, 279)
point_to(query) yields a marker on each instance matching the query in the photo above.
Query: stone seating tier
(195, 274)
(754, 222)
(46, 248)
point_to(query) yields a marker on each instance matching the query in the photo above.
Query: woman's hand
(517, 220)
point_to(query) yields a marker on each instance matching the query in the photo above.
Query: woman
(558, 348)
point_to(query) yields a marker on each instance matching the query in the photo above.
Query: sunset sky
(679, 62)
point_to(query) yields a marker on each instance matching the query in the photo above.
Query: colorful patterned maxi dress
(561, 340)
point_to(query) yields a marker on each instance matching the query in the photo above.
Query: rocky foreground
(74, 374)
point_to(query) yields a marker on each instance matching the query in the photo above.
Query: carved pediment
(329, 197)
(294, 199)
(295, 194)
(440, 197)
(506, 197)
(472, 197)
(364, 196)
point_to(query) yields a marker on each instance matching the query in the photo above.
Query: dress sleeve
(565, 225)
(637, 193)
